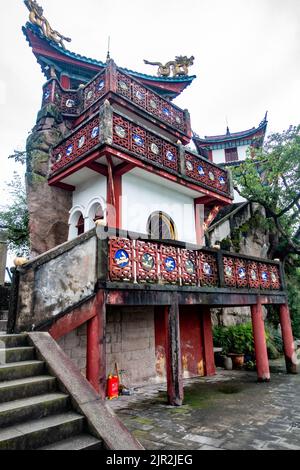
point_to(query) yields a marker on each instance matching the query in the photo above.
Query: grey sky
(247, 58)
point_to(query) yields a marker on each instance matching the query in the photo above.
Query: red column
(173, 355)
(288, 339)
(208, 344)
(65, 82)
(95, 353)
(199, 221)
(260, 345)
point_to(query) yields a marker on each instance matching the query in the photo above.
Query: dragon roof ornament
(36, 17)
(178, 67)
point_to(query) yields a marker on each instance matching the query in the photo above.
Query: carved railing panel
(80, 142)
(148, 262)
(121, 259)
(203, 171)
(208, 269)
(75, 102)
(142, 142)
(150, 102)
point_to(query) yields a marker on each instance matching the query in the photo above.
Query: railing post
(220, 268)
(173, 354)
(111, 76)
(106, 124)
(288, 339)
(260, 345)
(96, 346)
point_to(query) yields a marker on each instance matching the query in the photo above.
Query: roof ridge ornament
(178, 67)
(36, 17)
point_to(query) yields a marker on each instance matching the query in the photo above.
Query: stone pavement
(228, 411)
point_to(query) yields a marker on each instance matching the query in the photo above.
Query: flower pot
(227, 363)
(237, 360)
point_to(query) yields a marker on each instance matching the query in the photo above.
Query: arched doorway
(160, 226)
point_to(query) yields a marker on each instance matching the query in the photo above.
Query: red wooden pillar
(199, 221)
(173, 355)
(114, 197)
(96, 351)
(260, 345)
(65, 81)
(208, 344)
(288, 339)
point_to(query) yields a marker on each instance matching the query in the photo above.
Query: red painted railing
(76, 102)
(139, 261)
(139, 141)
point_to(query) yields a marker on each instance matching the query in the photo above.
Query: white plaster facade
(142, 197)
(87, 197)
(219, 154)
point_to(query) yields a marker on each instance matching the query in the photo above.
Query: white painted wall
(242, 152)
(85, 199)
(141, 197)
(218, 156)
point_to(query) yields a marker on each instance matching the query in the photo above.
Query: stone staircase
(34, 413)
(3, 320)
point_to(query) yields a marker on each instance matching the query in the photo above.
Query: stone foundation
(130, 342)
(74, 345)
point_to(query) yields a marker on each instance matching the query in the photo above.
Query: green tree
(270, 176)
(15, 219)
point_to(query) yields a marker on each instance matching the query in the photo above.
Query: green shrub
(239, 339)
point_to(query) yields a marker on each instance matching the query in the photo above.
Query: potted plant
(236, 341)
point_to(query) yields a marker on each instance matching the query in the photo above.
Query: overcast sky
(247, 58)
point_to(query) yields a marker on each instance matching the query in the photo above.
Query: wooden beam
(173, 354)
(214, 196)
(98, 168)
(123, 168)
(73, 168)
(72, 320)
(65, 186)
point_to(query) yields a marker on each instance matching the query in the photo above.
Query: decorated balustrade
(142, 143)
(144, 261)
(76, 102)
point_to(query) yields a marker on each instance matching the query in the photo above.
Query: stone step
(41, 432)
(13, 341)
(38, 407)
(80, 442)
(26, 387)
(3, 325)
(24, 353)
(3, 314)
(20, 370)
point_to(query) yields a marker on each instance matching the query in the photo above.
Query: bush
(239, 339)
(235, 339)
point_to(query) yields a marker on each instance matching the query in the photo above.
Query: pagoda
(118, 205)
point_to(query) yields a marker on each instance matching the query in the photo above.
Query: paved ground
(228, 411)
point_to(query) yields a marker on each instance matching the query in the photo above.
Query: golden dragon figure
(178, 67)
(36, 16)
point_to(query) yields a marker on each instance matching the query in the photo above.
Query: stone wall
(130, 341)
(48, 206)
(74, 345)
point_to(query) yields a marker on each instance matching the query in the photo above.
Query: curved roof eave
(186, 80)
